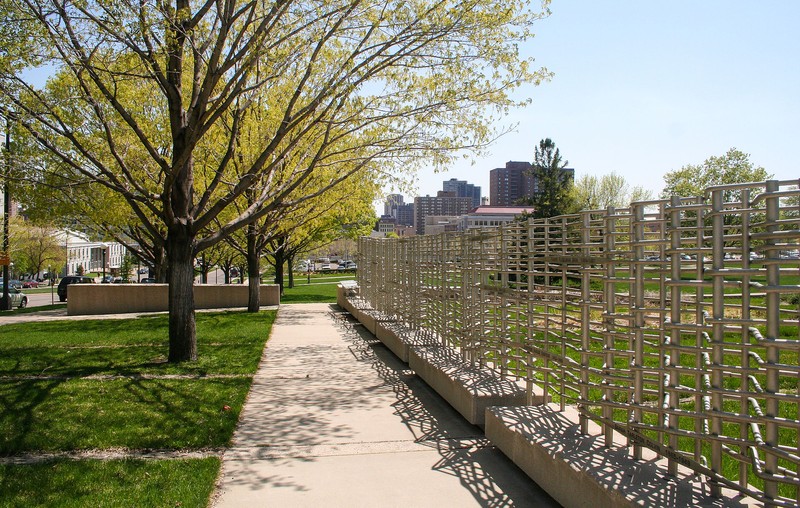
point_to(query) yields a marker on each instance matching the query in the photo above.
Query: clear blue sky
(645, 87)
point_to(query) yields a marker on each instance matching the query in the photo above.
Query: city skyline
(642, 89)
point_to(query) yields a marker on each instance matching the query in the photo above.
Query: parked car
(147, 280)
(347, 266)
(71, 279)
(18, 298)
(30, 284)
(326, 267)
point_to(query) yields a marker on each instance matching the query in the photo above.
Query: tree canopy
(34, 247)
(731, 168)
(149, 100)
(598, 193)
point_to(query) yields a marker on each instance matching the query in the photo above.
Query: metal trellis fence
(673, 322)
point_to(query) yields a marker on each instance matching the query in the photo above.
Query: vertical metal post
(609, 325)
(744, 356)
(718, 331)
(637, 224)
(674, 340)
(502, 311)
(530, 358)
(772, 265)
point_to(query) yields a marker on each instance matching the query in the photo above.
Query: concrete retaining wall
(469, 389)
(578, 470)
(88, 299)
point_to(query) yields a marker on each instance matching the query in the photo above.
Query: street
(40, 299)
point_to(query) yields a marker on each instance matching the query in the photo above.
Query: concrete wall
(125, 298)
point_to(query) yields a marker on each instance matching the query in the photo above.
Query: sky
(644, 87)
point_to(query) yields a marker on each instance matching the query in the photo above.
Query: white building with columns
(79, 250)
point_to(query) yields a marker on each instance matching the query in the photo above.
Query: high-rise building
(515, 184)
(391, 204)
(396, 207)
(444, 203)
(463, 189)
(509, 185)
(405, 214)
(534, 185)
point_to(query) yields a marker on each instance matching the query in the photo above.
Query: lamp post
(103, 252)
(5, 302)
(66, 252)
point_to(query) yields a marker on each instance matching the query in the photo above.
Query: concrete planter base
(88, 299)
(578, 470)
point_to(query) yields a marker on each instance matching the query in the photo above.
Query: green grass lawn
(133, 400)
(321, 289)
(109, 483)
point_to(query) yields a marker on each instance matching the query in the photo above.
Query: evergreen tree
(553, 184)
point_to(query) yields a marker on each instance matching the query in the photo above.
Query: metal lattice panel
(673, 322)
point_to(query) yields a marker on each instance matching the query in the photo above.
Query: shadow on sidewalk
(464, 451)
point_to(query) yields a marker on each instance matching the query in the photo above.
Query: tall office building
(509, 185)
(390, 205)
(405, 214)
(515, 183)
(396, 207)
(463, 189)
(444, 203)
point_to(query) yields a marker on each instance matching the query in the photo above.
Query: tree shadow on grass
(137, 413)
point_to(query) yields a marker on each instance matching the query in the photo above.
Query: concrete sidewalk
(335, 419)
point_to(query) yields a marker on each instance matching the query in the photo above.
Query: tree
(346, 212)
(731, 168)
(593, 193)
(126, 266)
(67, 203)
(34, 247)
(553, 185)
(228, 258)
(149, 98)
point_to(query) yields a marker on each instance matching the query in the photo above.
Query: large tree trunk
(180, 255)
(182, 336)
(160, 270)
(226, 270)
(290, 262)
(280, 261)
(253, 270)
(204, 268)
